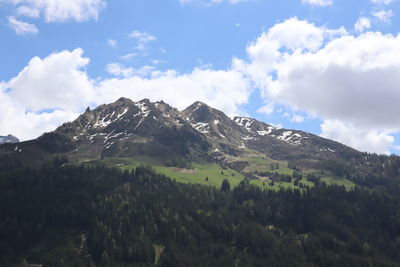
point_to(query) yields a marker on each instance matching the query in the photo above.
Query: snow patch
(242, 146)
(248, 137)
(291, 138)
(245, 122)
(201, 127)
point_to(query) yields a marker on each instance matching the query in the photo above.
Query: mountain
(197, 140)
(98, 192)
(127, 129)
(8, 139)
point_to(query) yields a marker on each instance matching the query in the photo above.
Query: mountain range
(144, 132)
(119, 186)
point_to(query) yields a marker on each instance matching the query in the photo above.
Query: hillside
(144, 184)
(77, 216)
(202, 145)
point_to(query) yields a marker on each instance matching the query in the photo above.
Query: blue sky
(330, 67)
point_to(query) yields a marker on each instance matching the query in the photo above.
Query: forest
(97, 216)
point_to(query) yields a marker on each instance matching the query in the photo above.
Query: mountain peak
(127, 128)
(10, 139)
(201, 112)
(199, 103)
(124, 100)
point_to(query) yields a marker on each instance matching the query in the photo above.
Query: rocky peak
(125, 126)
(9, 139)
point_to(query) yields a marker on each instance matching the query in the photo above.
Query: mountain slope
(200, 138)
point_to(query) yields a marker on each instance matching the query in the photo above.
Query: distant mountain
(8, 139)
(154, 132)
(96, 195)
(126, 128)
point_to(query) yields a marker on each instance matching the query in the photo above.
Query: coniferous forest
(98, 216)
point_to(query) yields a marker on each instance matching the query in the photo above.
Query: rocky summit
(126, 128)
(10, 139)
(156, 133)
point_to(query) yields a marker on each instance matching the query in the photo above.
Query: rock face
(9, 139)
(126, 128)
(157, 131)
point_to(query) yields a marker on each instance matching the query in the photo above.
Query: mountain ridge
(125, 128)
(128, 132)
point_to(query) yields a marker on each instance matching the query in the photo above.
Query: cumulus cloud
(52, 90)
(226, 90)
(362, 24)
(293, 36)
(59, 10)
(22, 28)
(58, 81)
(350, 79)
(350, 82)
(17, 120)
(361, 139)
(318, 2)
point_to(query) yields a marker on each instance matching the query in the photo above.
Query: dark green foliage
(225, 186)
(55, 143)
(79, 216)
(178, 162)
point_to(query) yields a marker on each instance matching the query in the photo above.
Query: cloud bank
(332, 75)
(350, 82)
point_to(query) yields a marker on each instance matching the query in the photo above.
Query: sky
(329, 67)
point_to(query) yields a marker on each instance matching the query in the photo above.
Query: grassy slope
(196, 175)
(200, 171)
(330, 180)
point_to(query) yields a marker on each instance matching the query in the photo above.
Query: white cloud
(22, 28)
(142, 39)
(112, 43)
(365, 140)
(351, 79)
(28, 12)
(291, 36)
(297, 118)
(362, 24)
(385, 2)
(226, 90)
(267, 109)
(60, 85)
(318, 2)
(26, 125)
(60, 10)
(119, 70)
(158, 61)
(358, 74)
(129, 56)
(384, 16)
(58, 81)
